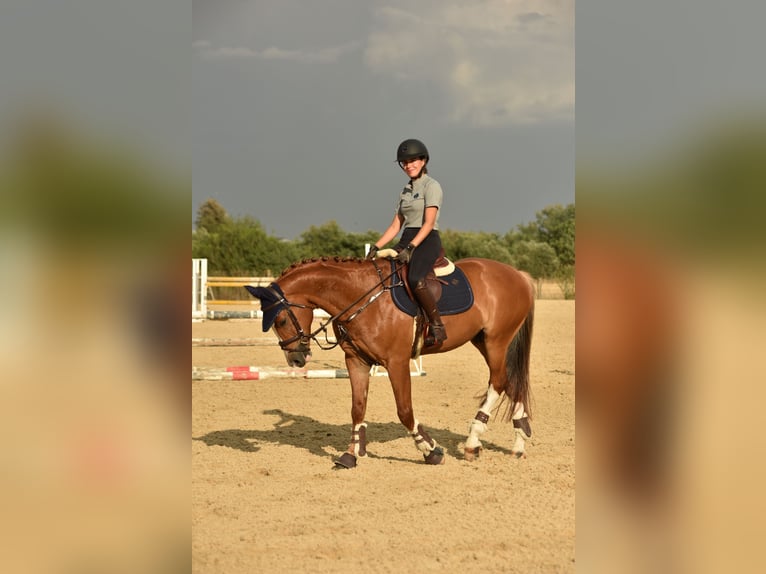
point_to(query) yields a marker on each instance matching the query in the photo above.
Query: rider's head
(412, 156)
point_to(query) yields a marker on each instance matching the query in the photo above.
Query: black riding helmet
(410, 149)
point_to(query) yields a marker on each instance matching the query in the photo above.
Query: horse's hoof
(436, 456)
(472, 454)
(346, 460)
(519, 454)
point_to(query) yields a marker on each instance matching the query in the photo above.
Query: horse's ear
(269, 301)
(258, 292)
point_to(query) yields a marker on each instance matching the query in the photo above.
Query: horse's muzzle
(297, 357)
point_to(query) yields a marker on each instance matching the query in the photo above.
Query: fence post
(199, 289)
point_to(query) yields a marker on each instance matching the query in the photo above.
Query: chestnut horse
(372, 330)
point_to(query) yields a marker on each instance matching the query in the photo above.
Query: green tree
(242, 247)
(554, 225)
(462, 244)
(329, 239)
(565, 278)
(538, 259)
(211, 216)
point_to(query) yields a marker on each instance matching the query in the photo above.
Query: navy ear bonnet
(272, 302)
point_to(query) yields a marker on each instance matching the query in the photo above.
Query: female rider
(417, 213)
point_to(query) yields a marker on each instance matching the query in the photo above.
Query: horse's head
(290, 321)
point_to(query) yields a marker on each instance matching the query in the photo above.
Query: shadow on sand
(315, 436)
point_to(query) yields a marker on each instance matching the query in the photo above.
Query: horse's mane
(334, 259)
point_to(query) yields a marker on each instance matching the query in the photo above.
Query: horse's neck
(331, 287)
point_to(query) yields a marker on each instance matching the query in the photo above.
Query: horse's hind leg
(494, 355)
(479, 424)
(522, 429)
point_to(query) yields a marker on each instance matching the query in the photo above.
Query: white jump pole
(199, 289)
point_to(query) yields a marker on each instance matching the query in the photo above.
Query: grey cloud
(501, 64)
(530, 17)
(322, 56)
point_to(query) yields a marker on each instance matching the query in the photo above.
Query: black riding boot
(428, 304)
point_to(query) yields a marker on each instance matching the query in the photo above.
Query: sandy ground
(267, 499)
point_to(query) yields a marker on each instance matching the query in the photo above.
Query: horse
(372, 330)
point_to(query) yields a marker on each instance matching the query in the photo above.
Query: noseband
(300, 334)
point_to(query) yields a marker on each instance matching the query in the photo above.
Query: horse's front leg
(359, 373)
(401, 382)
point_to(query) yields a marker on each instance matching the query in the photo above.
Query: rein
(303, 338)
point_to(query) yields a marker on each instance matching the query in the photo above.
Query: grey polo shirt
(424, 192)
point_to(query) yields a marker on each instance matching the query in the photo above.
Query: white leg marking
(478, 427)
(521, 436)
(518, 444)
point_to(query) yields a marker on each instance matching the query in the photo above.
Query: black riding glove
(405, 254)
(372, 253)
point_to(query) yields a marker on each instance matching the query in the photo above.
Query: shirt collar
(419, 184)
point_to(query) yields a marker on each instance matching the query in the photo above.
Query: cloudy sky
(298, 108)
(652, 74)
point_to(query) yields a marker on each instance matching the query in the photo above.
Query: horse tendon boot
(427, 302)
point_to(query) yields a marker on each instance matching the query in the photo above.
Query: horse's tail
(517, 366)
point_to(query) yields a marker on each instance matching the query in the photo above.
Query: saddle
(442, 268)
(446, 281)
(448, 284)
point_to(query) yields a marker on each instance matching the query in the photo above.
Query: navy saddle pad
(457, 295)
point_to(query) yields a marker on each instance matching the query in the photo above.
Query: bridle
(304, 338)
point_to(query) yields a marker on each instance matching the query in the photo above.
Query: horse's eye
(281, 322)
